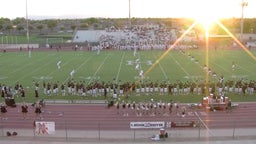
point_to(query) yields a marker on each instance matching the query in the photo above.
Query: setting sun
(206, 22)
(207, 13)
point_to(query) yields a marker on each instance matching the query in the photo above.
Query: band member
(3, 111)
(38, 110)
(63, 91)
(36, 90)
(24, 110)
(3, 91)
(44, 88)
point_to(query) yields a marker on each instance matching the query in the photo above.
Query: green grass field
(35, 39)
(18, 67)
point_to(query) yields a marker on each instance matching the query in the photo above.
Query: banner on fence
(137, 125)
(44, 127)
(181, 124)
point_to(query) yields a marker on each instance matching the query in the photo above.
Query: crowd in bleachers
(143, 37)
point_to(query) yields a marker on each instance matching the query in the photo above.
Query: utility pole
(29, 49)
(243, 4)
(130, 23)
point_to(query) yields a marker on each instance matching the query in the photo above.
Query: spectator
(3, 111)
(24, 110)
(38, 110)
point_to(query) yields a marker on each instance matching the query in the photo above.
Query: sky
(39, 9)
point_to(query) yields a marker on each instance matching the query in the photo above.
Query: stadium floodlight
(29, 51)
(243, 4)
(2, 41)
(130, 14)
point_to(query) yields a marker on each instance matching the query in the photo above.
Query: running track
(93, 116)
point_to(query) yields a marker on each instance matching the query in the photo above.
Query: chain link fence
(98, 131)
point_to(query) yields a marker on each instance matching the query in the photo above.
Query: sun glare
(207, 14)
(206, 22)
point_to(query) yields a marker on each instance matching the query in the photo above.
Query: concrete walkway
(217, 136)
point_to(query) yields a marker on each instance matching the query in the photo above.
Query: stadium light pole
(243, 4)
(29, 51)
(130, 24)
(2, 41)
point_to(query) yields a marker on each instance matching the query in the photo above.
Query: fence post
(2, 128)
(34, 128)
(134, 135)
(99, 131)
(234, 129)
(199, 131)
(66, 129)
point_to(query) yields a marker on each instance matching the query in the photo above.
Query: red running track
(95, 116)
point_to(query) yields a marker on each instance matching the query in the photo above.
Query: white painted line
(94, 75)
(120, 65)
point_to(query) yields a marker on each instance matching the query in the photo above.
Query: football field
(120, 66)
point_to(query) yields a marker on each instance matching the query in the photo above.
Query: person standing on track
(3, 111)
(38, 110)
(24, 110)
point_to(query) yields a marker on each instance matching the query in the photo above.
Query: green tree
(247, 25)
(96, 26)
(18, 21)
(4, 22)
(40, 27)
(62, 28)
(92, 20)
(84, 26)
(8, 28)
(20, 28)
(73, 27)
(51, 24)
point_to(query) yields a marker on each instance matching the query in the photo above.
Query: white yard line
(120, 66)
(139, 60)
(99, 67)
(165, 75)
(24, 67)
(228, 70)
(31, 72)
(181, 67)
(224, 69)
(240, 67)
(80, 66)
